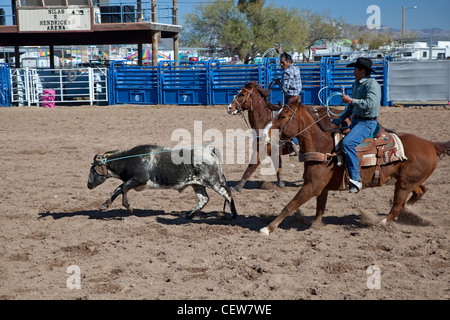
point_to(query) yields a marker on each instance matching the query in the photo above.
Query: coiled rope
(327, 103)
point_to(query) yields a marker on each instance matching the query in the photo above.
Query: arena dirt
(49, 219)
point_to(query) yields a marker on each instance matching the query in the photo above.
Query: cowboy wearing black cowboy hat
(365, 107)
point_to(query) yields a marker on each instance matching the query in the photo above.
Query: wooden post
(52, 57)
(139, 54)
(176, 38)
(154, 11)
(17, 56)
(155, 39)
(139, 11)
(155, 36)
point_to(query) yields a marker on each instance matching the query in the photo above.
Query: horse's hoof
(130, 209)
(383, 222)
(236, 189)
(189, 216)
(264, 231)
(281, 184)
(103, 207)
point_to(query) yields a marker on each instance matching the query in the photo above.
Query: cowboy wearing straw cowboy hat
(365, 107)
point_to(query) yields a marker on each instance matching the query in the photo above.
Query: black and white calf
(151, 167)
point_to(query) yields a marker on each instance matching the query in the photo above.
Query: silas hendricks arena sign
(72, 18)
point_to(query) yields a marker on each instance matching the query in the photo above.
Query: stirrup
(356, 185)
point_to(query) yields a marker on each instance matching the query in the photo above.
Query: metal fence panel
(226, 80)
(69, 85)
(183, 84)
(5, 85)
(133, 84)
(338, 74)
(419, 80)
(310, 75)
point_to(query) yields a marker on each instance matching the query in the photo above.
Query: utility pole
(403, 21)
(403, 18)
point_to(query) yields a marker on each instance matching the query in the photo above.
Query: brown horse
(255, 99)
(314, 132)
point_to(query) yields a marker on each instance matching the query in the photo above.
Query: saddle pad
(398, 154)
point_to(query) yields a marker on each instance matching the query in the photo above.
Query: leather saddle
(381, 148)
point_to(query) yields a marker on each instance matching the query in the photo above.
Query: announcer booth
(87, 22)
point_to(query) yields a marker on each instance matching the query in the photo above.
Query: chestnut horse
(255, 99)
(314, 132)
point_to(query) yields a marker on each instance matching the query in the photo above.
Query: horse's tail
(442, 148)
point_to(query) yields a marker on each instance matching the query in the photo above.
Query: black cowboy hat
(364, 63)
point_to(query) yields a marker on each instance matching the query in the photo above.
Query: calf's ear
(98, 158)
(101, 170)
(108, 153)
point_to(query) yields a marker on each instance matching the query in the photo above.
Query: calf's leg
(122, 189)
(202, 197)
(225, 192)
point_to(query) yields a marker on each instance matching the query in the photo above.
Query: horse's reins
(301, 131)
(239, 106)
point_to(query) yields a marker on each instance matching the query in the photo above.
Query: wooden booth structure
(87, 22)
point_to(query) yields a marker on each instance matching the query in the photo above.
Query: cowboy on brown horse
(365, 107)
(322, 171)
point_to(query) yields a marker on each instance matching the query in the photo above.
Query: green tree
(320, 25)
(246, 29)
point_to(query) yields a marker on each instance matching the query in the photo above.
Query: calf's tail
(217, 155)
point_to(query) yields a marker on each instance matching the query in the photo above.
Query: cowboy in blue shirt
(365, 108)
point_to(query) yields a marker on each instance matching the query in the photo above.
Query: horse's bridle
(239, 104)
(292, 116)
(317, 121)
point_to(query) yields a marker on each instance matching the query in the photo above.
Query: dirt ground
(49, 219)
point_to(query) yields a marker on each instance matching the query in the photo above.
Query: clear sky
(428, 14)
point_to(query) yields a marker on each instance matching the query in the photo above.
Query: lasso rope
(105, 160)
(327, 103)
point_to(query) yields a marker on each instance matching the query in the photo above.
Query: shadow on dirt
(114, 214)
(253, 223)
(258, 185)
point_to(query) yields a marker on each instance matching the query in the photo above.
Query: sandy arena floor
(49, 219)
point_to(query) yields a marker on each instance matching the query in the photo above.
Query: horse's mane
(317, 114)
(265, 93)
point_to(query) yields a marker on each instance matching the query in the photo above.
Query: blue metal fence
(5, 85)
(335, 74)
(183, 84)
(225, 81)
(310, 74)
(133, 84)
(212, 82)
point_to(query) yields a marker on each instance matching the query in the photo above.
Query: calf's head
(99, 172)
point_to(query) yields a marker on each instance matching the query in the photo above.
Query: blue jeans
(359, 130)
